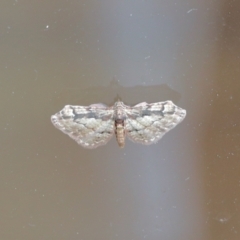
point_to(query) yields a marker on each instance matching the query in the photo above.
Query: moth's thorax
(119, 113)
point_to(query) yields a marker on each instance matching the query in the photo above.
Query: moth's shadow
(114, 91)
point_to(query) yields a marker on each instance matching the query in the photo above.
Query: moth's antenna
(118, 99)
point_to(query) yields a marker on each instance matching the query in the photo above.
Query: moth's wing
(90, 127)
(147, 123)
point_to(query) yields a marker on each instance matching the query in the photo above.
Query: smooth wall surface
(81, 52)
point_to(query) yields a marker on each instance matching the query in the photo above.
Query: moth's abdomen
(120, 132)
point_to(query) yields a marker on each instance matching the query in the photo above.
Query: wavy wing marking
(90, 127)
(147, 123)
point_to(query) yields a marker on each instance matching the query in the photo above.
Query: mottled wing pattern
(90, 127)
(147, 123)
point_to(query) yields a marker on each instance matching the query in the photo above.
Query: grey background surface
(81, 52)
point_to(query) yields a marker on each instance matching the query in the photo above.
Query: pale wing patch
(90, 127)
(147, 123)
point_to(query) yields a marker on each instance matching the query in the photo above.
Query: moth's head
(119, 104)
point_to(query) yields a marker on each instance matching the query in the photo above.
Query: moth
(94, 125)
